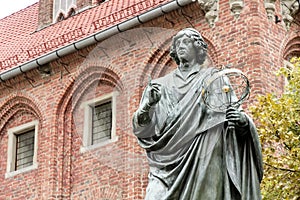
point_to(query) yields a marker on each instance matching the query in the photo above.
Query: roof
(20, 41)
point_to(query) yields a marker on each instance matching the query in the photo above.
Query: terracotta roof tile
(21, 42)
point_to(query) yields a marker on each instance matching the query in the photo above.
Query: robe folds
(192, 153)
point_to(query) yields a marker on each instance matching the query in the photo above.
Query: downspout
(93, 39)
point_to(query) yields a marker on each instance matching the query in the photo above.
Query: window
(72, 12)
(22, 148)
(99, 121)
(60, 17)
(63, 9)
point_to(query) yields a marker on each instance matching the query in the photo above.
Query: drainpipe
(93, 39)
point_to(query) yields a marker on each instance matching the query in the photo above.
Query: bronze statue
(192, 153)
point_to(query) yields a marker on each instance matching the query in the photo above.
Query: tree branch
(278, 136)
(283, 169)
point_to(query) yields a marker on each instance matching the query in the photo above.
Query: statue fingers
(154, 97)
(233, 116)
(236, 117)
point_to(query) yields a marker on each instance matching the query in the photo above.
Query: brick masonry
(123, 63)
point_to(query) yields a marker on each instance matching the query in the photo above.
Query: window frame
(12, 148)
(60, 11)
(88, 126)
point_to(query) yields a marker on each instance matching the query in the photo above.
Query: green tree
(278, 123)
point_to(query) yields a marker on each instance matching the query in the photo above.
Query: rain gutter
(93, 39)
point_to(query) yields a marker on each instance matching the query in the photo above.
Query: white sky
(7, 7)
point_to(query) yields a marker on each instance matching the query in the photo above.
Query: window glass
(24, 150)
(102, 122)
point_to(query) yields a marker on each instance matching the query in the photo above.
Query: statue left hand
(235, 116)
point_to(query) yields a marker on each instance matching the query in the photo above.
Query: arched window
(72, 12)
(60, 17)
(63, 7)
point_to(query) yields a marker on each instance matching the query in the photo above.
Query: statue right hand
(153, 91)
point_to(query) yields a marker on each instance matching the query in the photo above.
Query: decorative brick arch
(212, 53)
(92, 75)
(63, 134)
(18, 109)
(292, 48)
(108, 73)
(84, 79)
(158, 62)
(18, 103)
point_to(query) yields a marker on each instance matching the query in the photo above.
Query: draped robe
(191, 152)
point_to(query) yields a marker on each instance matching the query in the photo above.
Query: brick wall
(84, 3)
(123, 63)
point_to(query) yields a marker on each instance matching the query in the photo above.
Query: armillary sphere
(224, 88)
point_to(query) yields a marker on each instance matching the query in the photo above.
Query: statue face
(185, 49)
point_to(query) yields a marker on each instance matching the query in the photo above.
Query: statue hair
(199, 44)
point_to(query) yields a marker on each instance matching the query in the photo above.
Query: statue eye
(187, 41)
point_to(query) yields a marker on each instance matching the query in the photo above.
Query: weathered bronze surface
(192, 153)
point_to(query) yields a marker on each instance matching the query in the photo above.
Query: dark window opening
(61, 17)
(101, 122)
(24, 149)
(72, 12)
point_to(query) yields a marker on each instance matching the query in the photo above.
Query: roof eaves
(94, 38)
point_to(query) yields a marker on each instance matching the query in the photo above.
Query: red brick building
(72, 73)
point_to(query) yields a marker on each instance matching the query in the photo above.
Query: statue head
(199, 44)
